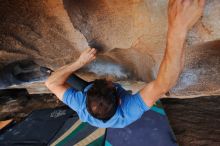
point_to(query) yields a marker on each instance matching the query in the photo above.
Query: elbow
(48, 84)
(164, 87)
(51, 86)
(169, 86)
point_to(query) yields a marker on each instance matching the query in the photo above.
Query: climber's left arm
(182, 15)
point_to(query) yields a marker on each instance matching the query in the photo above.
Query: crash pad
(152, 129)
(37, 129)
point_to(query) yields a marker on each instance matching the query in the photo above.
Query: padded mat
(152, 129)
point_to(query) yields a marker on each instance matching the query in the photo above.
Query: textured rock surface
(195, 121)
(17, 103)
(129, 34)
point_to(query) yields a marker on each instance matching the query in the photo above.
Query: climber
(106, 104)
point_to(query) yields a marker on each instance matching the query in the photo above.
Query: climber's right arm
(56, 83)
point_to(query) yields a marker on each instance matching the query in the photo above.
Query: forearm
(60, 76)
(173, 60)
(56, 83)
(182, 15)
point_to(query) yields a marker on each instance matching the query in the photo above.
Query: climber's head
(101, 101)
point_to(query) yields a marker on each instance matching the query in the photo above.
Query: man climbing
(106, 104)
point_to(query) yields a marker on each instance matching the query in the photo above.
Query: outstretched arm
(182, 15)
(56, 83)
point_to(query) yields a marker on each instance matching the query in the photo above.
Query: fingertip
(93, 51)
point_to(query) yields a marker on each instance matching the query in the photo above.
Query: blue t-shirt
(131, 108)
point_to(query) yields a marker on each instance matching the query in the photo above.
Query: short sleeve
(73, 98)
(133, 107)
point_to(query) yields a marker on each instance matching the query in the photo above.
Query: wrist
(177, 32)
(176, 37)
(77, 64)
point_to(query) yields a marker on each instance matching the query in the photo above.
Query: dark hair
(101, 101)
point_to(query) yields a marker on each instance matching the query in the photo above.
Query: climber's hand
(87, 56)
(183, 14)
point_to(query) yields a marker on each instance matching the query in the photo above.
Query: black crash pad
(37, 129)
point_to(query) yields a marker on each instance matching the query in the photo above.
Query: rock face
(130, 36)
(195, 121)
